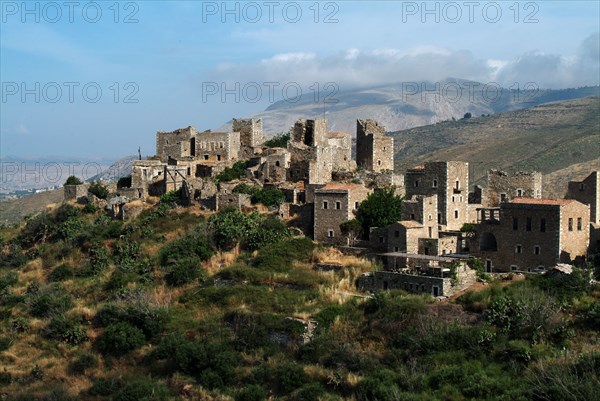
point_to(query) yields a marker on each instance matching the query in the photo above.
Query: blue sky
(161, 65)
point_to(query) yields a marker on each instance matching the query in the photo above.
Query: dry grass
(221, 260)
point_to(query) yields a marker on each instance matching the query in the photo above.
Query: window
(338, 205)
(410, 286)
(514, 267)
(543, 225)
(145, 173)
(570, 224)
(412, 216)
(452, 199)
(355, 205)
(381, 240)
(218, 157)
(434, 184)
(502, 197)
(330, 233)
(416, 183)
(439, 217)
(430, 232)
(536, 250)
(422, 287)
(205, 157)
(189, 171)
(528, 224)
(457, 183)
(518, 249)
(579, 224)
(582, 187)
(325, 204)
(519, 192)
(397, 234)
(429, 217)
(515, 223)
(379, 162)
(461, 198)
(456, 214)
(396, 249)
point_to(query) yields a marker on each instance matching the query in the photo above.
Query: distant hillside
(408, 105)
(555, 183)
(13, 211)
(120, 168)
(546, 138)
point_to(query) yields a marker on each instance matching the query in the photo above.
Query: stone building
(204, 146)
(147, 177)
(315, 152)
(526, 234)
(75, 192)
(374, 150)
(334, 204)
(434, 275)
(251, 135)
(587, 191)
(503, 186)
(449, 180)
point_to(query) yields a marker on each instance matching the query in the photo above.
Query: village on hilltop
(445, 227)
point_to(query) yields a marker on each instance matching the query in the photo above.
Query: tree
(278, 141)
(101, 191)
(72, 180)
(352, 229)
(380, 209)
(467, 116)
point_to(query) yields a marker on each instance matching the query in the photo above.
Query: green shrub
(66, 330)
(278, 141)
(381, 386)
(235, 172)
(60, 273)
(184, 271)
(142, 390)
(151, 321)
(99, 190)
(105, 386)
(82, 361)
(171, 197)
(72, 180)
(252, 392)
(120, 338)
(278, 257)
(193, 245)
(51, 301)
(5, 343)
(268, 197)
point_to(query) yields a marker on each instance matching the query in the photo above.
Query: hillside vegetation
(545, 138)
(181, 305)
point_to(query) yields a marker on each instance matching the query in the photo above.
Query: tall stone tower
(374, 150)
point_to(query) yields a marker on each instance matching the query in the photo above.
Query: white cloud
(354, 68)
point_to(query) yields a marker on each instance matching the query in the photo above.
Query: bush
(120, 338)
(99, 190)
(236, 172)
(142, 390)
(60, 273)
(184, 271)
(269, 197)
(5, 343)
(191, 246)
(278, 141)
(66, 330)
(53, 301)
(72, 180)
(83, 361)
(171, 197)
(380, 209)
(252, 392)
(105, 386)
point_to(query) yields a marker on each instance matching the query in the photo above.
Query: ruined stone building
(374, 150)
(587, 192)
(449, 180)
(334, 204)
(527, 234)
(315, 152)
(503, 186)
(251, 135)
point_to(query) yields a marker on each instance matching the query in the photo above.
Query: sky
(96, 80)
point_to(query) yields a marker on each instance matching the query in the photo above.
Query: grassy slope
(391, 347)
(13, 211)
(546, 138)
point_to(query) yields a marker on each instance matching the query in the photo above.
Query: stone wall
(75, 192)
(587, 191)
(503, 186)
